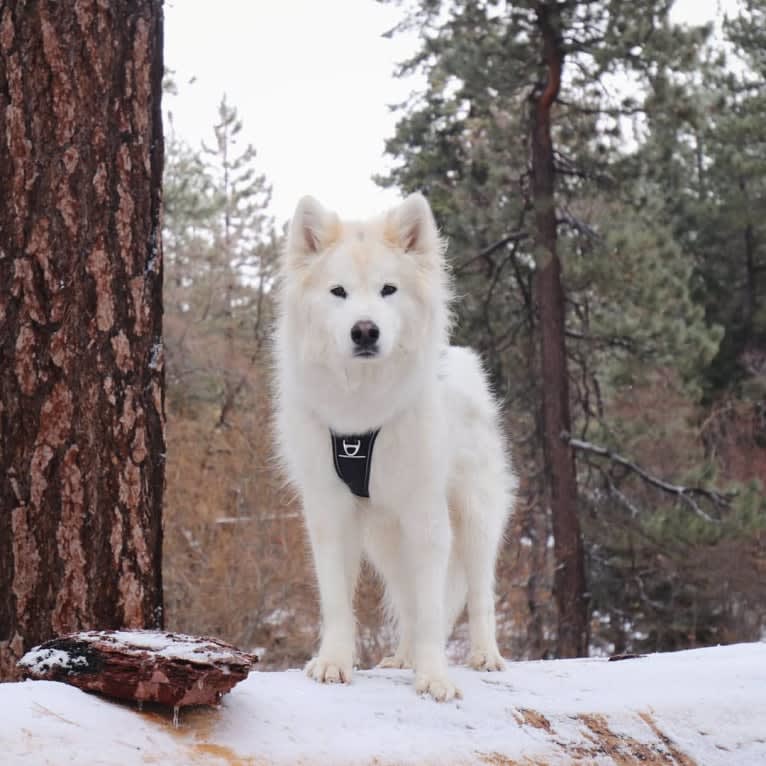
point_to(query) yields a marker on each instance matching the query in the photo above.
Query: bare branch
(610, 111)
(688, 495)
(487, 252)
(617, 341)
(567, 219)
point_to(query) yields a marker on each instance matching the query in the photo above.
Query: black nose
(365, 334)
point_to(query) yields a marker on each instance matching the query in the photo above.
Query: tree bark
(569, 578)
(82, 443)
(750, 272)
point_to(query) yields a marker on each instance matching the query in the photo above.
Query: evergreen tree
(221, 250)
(710, 163)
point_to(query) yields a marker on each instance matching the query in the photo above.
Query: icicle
(176, 715)
(140, 704)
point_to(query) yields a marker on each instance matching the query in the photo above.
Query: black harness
(352, 455)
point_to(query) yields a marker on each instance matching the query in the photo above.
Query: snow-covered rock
(697, 708)
(141, 665)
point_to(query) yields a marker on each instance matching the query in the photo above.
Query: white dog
(391, 437)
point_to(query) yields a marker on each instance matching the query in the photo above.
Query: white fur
(441, 487)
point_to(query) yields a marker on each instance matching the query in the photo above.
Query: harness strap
(352, 455)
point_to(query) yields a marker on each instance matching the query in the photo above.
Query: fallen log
(146, 666)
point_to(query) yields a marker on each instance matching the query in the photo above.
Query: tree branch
(616, 341)
(610, 111)
(517, 236)
(686, 494)
(568, 219)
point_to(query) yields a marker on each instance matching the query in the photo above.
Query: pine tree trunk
(569, 578)
(749, 308)
(82, 441)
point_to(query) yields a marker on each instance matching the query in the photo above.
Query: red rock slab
(145, 666)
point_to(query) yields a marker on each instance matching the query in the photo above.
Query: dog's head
(359, 293)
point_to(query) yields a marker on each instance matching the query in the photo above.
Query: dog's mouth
(366, 353)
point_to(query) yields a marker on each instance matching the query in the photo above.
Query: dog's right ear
(312, 229)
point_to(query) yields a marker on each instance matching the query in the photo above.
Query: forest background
(659, 163)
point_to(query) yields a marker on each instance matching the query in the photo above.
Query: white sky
(311, 80)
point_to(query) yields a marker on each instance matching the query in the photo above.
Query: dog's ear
(312, 228)
(412, 227)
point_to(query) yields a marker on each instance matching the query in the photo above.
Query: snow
(705, 707)
(176, 646)
(43, 659)
(158, 357)
(172, 646)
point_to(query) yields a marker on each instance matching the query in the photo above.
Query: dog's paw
(395, 661)
(486, 659)
(440, 687)
(328, 671)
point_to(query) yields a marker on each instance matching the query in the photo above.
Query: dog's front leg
(335, 532)
(426, 546)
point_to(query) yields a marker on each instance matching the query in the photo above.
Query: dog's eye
(339, 292)
(388, 290)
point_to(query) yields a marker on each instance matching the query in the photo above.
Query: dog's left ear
(412, 227)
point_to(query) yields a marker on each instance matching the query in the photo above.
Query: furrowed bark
(569, 579)
(82, 441)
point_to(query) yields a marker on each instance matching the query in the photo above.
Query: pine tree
(712, 165)
(221, 250)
